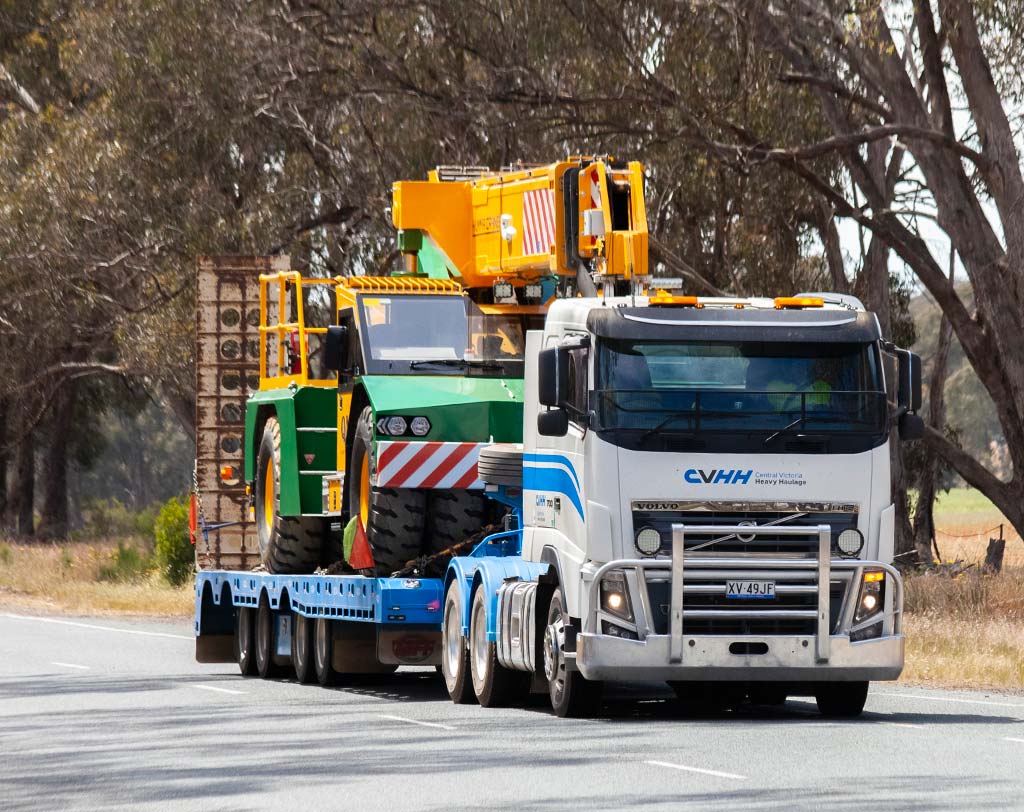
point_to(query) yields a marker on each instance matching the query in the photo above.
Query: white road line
(1011, 739)
(92, 626)
(415, 721)
(217, 689)
(71, 665)
(716, 773)
(906, 724)
(953, 699)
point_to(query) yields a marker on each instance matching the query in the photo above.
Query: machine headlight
(615, 596)
(850, 542)
(396, 426)
(648, 541)
(872, 595)
(420, 426)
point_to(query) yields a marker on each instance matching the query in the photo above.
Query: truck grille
(661, 516)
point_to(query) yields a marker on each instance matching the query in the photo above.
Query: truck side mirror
(909, 397)
(554, 423)
(548, 378)
(911, 427)
(336, 348)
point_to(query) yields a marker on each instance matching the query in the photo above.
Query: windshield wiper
(784, 430)
(670, 419)
(461, 363)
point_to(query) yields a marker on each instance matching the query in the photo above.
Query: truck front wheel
(393, 518)
(454, 657)
(841, 699)
(493, 684)
(288, 544)
(571, 694)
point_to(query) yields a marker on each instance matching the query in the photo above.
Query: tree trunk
(54, 520)
(24, 492)
(4, 455)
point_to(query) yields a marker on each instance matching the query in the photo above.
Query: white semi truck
(705, 501)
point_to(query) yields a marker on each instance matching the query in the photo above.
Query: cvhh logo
(698, 476)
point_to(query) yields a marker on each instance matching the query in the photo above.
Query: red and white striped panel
(402, 464)
(538, 221)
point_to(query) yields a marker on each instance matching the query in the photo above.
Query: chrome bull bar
(678, 565)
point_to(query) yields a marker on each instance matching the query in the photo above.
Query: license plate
(750, 589)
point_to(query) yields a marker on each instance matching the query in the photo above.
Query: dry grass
(75, 578)
(985, 653)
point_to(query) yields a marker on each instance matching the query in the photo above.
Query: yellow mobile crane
(418, 370)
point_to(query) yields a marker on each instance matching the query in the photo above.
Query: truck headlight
(419, 426)
(615, 596)
(872, 595)
(648, 541)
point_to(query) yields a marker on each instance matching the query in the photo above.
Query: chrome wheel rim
(452, 642)
(554, 662)
(321, 644)
(478, 648)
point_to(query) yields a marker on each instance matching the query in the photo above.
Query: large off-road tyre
(571, 694)
(288, 544)
(245, 641)
(453, 516)
(393, 518)
(323, 652)
(493, 684)
(841, 699)
(302, 647)
(265, 665)
(454, 651)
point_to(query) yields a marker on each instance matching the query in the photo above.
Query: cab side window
(579, 358)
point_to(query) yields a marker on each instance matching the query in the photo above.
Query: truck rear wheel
(454, 655)
(452, 517)
(493, 684)
(244, 640)
(288, 544)
(323, 652)
(393, 518)
(571, 694)
(302, 648)
(841, 699)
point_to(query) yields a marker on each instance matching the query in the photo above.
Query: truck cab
(707, 483)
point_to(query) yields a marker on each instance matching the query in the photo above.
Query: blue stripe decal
(552, 479)
(555, 458)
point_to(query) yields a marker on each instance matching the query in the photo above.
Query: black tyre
(323, 652)
(841, 699)
(288, 544)
(245, 638)
(265, 665)
(493, 684)
(454, 653)
(302, 648)
(571, 694)
(393, 518)
(454, 516)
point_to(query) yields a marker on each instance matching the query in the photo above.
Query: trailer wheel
(454, 655)
(244, 638)
(302, 648)
(288, 544)
(265, 665)
(841, 699)
(452, 517)
(323, 652)
(571, 694)
(493, 684)
(393, 518)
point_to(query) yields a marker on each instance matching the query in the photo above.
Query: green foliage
(6, 555)
(126, 565)
(175, 555)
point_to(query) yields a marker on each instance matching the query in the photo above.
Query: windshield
(431, 334)
(774, 389)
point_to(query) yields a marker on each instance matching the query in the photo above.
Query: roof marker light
(798, 301)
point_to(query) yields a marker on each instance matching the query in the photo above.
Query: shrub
(175, 555)
(6, 554)
(127, 564)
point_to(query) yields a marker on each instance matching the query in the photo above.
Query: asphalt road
(115, 714)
